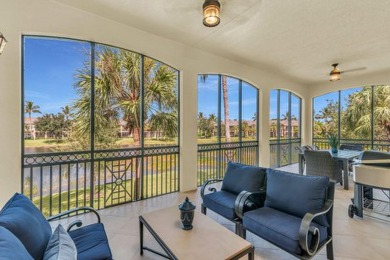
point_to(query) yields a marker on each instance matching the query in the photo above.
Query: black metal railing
(213, 158)
(283, 152)
(56, 182)
(368, 144)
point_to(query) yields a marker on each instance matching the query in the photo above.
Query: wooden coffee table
(206, 240)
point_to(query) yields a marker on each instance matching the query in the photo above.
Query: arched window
(285, 127)
(227, 124)
(100, 125)
(357, 116)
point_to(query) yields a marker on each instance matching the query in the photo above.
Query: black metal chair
(321, 163)
(356, 147)
(297, 214)
(243, 189)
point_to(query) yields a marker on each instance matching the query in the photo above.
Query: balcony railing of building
(56, 182)
(283, 152)
(368, 144)
(213, 158)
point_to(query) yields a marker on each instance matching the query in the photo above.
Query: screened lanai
(134, 103)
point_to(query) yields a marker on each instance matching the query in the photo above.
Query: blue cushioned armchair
(243, 189)
(25, 229)
(297, 214)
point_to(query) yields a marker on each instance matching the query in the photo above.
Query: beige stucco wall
(43, 17)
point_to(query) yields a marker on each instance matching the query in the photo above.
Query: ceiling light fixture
(335, 73)
(211, 11)
(3, 42)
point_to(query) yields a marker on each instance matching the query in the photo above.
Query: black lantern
(186, 214)
(211, 11)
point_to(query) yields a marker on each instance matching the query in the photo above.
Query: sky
(321, 101)
(208, 97)
(50, 66)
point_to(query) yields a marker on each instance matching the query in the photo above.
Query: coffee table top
(206, 240)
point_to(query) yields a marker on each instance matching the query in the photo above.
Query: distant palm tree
(118, 95)
(66, 110)
(30, 108)
(254, 117)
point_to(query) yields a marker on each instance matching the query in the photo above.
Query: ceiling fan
(336, 72)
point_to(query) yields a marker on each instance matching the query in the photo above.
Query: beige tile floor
(366, 238)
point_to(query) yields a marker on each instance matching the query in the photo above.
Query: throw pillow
(60, 246)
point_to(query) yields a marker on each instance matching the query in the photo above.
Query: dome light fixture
(211, 12)
(3, 42)
(335, 73)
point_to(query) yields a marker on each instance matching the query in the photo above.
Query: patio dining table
(342, 155)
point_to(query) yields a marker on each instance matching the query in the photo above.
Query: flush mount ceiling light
(335, 73)
(211, 11)
(3, 42)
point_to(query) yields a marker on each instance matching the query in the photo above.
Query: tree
(118, 96)
(326, 121)
(226, 123)
(226, 108)
(206, 125)
(358, 115)
(66, 110)
(30, 108)
(52, 125)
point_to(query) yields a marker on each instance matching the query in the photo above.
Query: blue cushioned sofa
(243, 189)
(297, 214)
(25, 233)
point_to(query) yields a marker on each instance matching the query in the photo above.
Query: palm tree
(226, 108)
(30, 108)
(118, 96)
(66, 110)
(357, 116)
(225, 105)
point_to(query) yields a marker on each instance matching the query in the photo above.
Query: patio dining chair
(302, 149)
(321, 163)
(356, 147)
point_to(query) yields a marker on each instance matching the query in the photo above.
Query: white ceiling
(297, 38)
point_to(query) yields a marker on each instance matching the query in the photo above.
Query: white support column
(10, 105)
(264, 136)
(307, 104)
(188, 129)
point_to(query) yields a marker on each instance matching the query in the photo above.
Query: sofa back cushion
(239, 177)
(11, 247)
(26, 222)
(296, 194)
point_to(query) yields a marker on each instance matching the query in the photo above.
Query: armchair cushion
(60, 246)
(26, 222)
(11, 247)
(91, 242)
(309, 194)
(234, 182)
(278, 227)
(221, 202)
